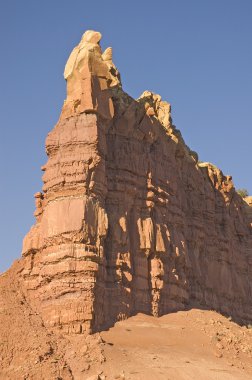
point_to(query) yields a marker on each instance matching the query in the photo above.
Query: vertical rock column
(64, 270)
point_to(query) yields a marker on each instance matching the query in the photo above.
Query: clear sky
(197, 54)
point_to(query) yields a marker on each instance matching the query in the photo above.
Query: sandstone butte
(128, 221)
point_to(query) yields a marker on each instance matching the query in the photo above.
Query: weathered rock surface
(128, 220)
(28, 350)
(248, 200)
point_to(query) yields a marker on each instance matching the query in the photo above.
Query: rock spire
(128, 220)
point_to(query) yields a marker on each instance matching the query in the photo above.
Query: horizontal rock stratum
(128, 219)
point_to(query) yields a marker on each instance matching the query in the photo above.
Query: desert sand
(186, 345)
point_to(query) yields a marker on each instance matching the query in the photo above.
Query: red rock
(128, 221)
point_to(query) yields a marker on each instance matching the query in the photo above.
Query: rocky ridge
(128, 219)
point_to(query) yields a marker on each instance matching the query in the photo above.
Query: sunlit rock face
(128, 220)
(248, 200)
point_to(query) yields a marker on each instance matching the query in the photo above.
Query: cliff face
(128, 220)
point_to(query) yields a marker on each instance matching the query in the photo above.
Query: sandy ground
(183, 346)
(187, 345)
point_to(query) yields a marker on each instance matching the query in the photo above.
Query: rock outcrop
(248, 200)
(128, 220)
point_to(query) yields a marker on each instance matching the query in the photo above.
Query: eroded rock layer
(128, 220)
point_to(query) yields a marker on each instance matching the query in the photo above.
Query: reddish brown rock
(128, 221)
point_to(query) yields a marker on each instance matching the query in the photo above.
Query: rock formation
(248, 200)
(128, 220)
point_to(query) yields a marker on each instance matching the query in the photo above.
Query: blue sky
(197, 54)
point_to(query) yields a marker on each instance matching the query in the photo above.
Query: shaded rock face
(128, 221)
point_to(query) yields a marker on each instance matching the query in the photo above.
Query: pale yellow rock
(89, 75)
(88, 41)
(146, 233)
(91, 36)
(155, 106)
(107, 54)
(160, 246)
(248, 200)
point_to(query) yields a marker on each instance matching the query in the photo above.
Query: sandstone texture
(128, 220)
